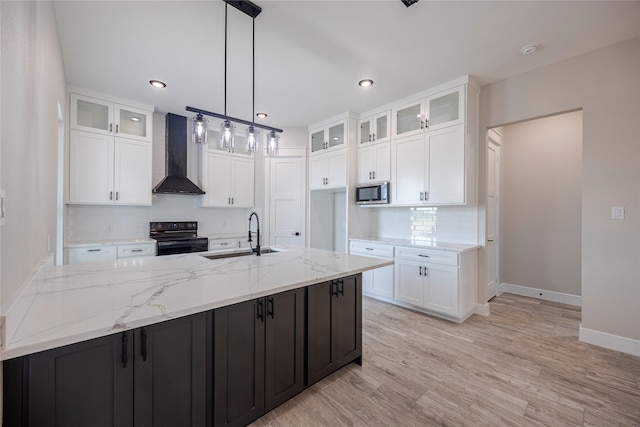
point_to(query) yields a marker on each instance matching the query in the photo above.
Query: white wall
(606, 86)
(541, 205)
(33, 83)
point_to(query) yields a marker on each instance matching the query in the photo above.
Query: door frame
(494, 138)
(285, 152)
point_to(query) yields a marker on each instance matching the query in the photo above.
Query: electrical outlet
(617, 212)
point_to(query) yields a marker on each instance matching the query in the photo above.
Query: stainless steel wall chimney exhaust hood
(176, 181)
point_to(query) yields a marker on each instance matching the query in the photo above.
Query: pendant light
(226, 129)
(251, 131)
(199, 130)
(272, 143)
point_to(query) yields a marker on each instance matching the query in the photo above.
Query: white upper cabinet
(228, 181)
(428, 114)
(374, 163)
(328, 171)
(331, 137)
(107, 170)
(108, 118)
(110, 152)
(374, 129)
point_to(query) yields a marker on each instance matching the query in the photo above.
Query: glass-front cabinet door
(317, 141)
(91, 114)
(329, 137)
(337, 134)
(408, 119)
(445, 108)
(364, 131)
(381, 131)
(132, 123)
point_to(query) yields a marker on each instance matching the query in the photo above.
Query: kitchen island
(192, 317)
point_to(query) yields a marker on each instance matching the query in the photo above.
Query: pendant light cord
(226, 5)
(253, 60)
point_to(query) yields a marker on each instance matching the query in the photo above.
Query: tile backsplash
(452, 224)
(98, 223)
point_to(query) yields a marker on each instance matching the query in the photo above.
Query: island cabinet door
(171, 372)
(238, 377)
(84, 384)
(334, 326)
(284, 347)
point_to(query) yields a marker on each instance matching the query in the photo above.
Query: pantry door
(286, 200)
(493, 213)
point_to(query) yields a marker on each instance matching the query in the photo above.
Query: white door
(408, 165)
(90, 168)
(286, 204)
(382, 162)
(441, 291)
(319, 173)
(132, 172)
(337, 167)
(242, 179)
(446, 166)
(493, 211)
(365, 161)
(216, 180)
(409, 283)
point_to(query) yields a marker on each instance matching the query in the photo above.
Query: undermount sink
(239, 254)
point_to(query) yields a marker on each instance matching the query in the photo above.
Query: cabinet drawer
(427, 255)
(146, 249)
(90, 254)
(223, 244)
(371, 249)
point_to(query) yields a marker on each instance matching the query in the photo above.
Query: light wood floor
(521, 366)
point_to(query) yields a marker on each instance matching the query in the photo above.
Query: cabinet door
(318, 172)
(409, 283)
(171, 374)
(446, 166)
(337, 134)
(408, 157)
(382, 162)
(91, 114)
(216, 180)
(365, 164)
(365, 130)
(238, 376)
(382, 283)
(84, 384)
(284, 347)
(347, 321)
(318, 141)
(408, 119)
(441, 290)
(320, 356)
(242, 181)
(381, 128)
(133, 123)
(445, 109)
(91, 158)
(132, 181)
(337, 167)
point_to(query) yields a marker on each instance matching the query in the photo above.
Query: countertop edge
(439, 246)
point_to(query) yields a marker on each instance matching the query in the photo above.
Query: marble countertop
(426, 244)
(72, 303)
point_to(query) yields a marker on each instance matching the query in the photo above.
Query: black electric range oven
(177, 237)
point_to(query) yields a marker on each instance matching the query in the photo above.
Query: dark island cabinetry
(151, 376)
(258, 356)
(334, 326)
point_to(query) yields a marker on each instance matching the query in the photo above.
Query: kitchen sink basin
(236, 254)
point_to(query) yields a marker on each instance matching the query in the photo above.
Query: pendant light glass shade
(227, 134)
(251, 139)
(272, 143)
(199, 130)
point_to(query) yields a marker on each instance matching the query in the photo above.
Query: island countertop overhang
(69, 304)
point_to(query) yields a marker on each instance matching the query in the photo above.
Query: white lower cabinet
(106, 253)
(441, 282)
(378, 282)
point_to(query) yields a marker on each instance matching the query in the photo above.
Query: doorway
(494, 145)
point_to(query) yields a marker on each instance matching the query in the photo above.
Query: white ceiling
(311, 54)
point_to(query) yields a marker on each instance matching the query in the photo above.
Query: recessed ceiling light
(157, 84)
(135, 119)
(261, 115)
(529, 49)
(365, 83)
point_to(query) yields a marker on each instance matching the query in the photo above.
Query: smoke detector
(529, 49)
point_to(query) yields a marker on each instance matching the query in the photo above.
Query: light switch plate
(617, 212)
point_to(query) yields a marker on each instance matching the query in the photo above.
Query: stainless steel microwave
(373, 194)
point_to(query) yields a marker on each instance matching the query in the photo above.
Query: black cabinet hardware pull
(270, 306)
(332, 292)
(424, 256)
(420, 271)
(260, 310)
(117, 127)
(340, 285)
(143, 344)
(110, 127)
(125, 344)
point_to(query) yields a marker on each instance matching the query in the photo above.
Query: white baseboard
(613, 342)
(482, 309)
(541, 294)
